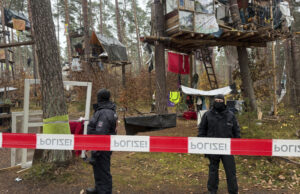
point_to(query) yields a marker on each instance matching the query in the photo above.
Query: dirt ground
(132, 173)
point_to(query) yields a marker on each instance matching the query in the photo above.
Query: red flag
(178, 63)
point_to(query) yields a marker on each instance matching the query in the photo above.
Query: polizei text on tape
(130, 143)
(209, 146)
(55, 142)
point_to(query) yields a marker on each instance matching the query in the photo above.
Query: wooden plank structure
(97, 48)
(186, 42)
(182, 26)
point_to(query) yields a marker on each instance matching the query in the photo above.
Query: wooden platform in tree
(187, 42)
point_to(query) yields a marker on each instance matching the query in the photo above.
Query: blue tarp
(10, 14)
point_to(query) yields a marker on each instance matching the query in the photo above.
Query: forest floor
(169, 172)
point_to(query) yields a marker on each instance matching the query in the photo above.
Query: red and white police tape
(193, 145)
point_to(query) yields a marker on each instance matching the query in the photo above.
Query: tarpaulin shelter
(133, 125)
(110, 48)
(225, 91)
(8, 89)
(10, 15)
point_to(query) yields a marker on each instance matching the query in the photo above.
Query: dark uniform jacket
(104, 121)
(215, 124)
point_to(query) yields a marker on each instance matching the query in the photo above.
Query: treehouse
(102, 49)
(10, 56)
(108, 50)
(190, 24)
(15, 20)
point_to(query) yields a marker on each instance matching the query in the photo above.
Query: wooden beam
(226, 34)
(260, 36)
(197, 43)
(16, 44)
(10, 168)
(209, 36)
(187, 36)
(246, 35)
(233, 34)
(177, 34)
(225, 27)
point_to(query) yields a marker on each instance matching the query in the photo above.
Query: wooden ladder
(206, 58)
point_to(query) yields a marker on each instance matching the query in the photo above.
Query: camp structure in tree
(190, 25)
(16, 20)
(103, 49)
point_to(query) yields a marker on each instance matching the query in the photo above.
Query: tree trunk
(7, 73)
(296, 70)
(101, 18)
(119, 30)
(120, 37)
(274, 68)
(248, 91)
(296, 53)
(34, 53)
(235, 14)
(67, 32)
(53, 99)
(86, 29)
(123, 24)
(274, 80)
(289, 90)
(160, 71)
(90, 15)
(58, 26)
(137, 35)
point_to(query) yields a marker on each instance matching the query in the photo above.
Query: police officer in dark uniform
(220, 122)
(104, 122)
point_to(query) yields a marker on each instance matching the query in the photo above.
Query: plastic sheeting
(206, 23)
(171, 5)
(10, 14)
(192, 91)
(286, 14)
(75, 66)
(115, 49)
(204, 6)
(133, 125)
(8, 89)
(186, 20)
(187, 4)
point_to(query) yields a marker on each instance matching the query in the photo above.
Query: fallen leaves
(281, 177)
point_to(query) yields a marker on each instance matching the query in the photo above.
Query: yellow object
(175, 97)
(18, 33)
(57, 125)
(18, 24)
(66, 29)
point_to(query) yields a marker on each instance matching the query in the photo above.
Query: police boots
(91, 191)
